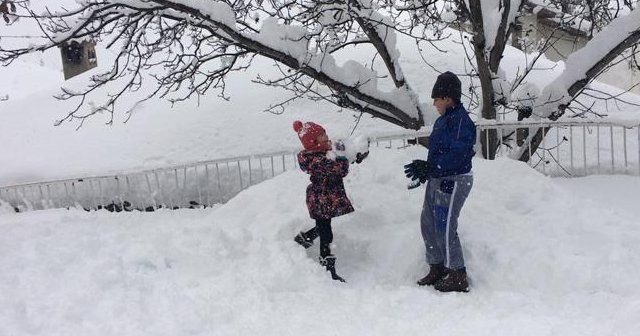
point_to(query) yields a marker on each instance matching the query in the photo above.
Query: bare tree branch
(184, 50)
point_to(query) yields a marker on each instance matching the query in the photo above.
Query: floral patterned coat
(326, 197)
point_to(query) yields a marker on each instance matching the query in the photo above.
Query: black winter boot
(305, 239)
(456, 281)
(436, 273)
(330, 263)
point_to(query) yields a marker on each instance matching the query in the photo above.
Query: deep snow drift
(545, 257)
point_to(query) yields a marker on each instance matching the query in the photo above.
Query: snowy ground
(545, 257)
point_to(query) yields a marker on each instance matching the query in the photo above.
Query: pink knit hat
(308, 133)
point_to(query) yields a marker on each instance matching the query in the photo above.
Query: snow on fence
(571, 148)
(191, 185)
(198, 184)
(575, 147)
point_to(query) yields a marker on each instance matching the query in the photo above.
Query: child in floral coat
(326, 197)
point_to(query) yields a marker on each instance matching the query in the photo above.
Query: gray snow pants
(443, 201)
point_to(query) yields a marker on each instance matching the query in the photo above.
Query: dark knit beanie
(447, 85)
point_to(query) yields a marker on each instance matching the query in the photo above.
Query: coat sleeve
(321, 166)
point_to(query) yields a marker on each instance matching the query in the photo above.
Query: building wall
(620, 75)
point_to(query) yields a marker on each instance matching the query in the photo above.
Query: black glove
(361, 156)
(418, 170)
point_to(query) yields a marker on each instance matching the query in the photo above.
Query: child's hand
(361, 156)
(340, 149)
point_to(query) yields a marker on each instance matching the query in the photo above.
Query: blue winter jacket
(451, 143)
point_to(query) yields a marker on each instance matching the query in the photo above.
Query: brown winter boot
(330, 263)
(436, 273)
(456, 281)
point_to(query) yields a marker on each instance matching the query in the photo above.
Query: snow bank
(543, 260)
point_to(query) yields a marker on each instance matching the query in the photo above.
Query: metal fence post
(151, 193)
(42, 199)
(100, 189)
(159, 187)
(500, 139)
(198, 186)
(250, 174)
(208, 193)
(185, 203)
(130, 198)
(175, 174)
(487, 141)
(528, 140)
(571, 149)
(558, 145)
(598, 146)
(75, 192)
(626, 158)
(544, 152)
(93, 195)
(240, 174)
(284, 166)
(220, 197)
(66, 192)
(261, 169)
(584, 148)
(273, 168)
(613, 165)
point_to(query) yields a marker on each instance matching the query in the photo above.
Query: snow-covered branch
(582, 67)
(186, 49)
(183, 42)
(586, 64)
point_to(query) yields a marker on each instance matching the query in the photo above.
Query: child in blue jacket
(448, 170)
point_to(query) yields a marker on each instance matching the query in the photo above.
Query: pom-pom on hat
(447, 85)
(308, 132)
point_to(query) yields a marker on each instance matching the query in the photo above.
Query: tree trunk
(488, 64)
(535, 142)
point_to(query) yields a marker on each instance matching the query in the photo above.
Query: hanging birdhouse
(8, 9)
(78, 57)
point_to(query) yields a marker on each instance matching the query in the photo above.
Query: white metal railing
(571, 148)
(574, 147)
(197, 184)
